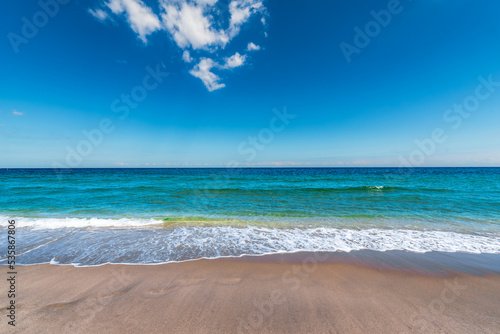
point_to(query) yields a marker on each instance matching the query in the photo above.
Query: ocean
(146, 216)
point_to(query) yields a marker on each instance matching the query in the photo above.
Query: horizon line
(248, 167)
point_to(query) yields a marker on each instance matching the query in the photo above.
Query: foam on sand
(146, 245)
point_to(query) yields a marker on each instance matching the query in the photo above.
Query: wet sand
(359, 292)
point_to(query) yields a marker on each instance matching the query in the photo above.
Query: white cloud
(196, 26)
(202, 71)
(141, 18)
(206, 2)
(190, 27)
(235, 60)
(240, 11)
(17, 113)
(186, 56)
(190, 22)
(99, 14)
(252, 47)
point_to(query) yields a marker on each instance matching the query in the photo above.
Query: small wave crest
(57, 223)
(360, 189)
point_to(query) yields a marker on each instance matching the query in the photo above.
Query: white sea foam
(56, 223)
(258, 240)
(94, 246)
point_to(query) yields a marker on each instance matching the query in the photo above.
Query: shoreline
(304, 292)
(146, 245)
(432, 262)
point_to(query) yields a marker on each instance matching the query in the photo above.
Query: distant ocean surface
(96, 216)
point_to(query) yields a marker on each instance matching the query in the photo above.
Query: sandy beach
(292, 293)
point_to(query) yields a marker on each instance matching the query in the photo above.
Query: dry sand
(283, 294)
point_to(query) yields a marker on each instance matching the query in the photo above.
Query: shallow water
(93, 216)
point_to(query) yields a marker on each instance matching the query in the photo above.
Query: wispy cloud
(139, 16)
(252, 47)
(99, 14)
(203, 71)
(17, 113)
(186, 56)
(235, 60)
(190, 25)
(241, 10)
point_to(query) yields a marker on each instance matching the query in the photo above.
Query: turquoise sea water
(94, 216)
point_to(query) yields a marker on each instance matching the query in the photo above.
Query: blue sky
(167, 83)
